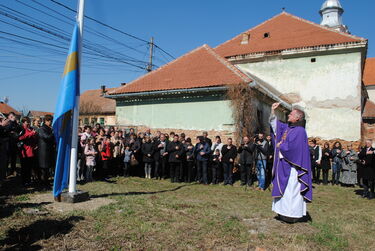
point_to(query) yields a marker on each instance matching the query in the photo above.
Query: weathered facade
(316, 68)
(189, 94)
(368, 116)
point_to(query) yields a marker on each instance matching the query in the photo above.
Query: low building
(5, 109)
(94, 108)
(190, 95)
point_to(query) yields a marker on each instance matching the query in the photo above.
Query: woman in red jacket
(27, 146)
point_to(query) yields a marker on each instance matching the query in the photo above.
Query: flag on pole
(63, 119)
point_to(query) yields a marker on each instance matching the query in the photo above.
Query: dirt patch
(48, 203)
(273, 226)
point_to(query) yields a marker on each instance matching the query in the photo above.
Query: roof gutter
(254, 84)
(165, 92)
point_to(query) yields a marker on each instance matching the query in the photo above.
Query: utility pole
(149, 66)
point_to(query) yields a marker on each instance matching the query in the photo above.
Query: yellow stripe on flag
(71, 63)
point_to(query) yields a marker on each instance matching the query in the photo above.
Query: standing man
(261, 155)
(175, 151)
(246, 151)
(14, 131)
(229, 154)
(316, 157)
(367, 158)
(202, 155)
(271, 150)
(3, 147)
(46, 150)
(292, 186)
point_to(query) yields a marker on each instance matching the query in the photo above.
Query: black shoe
(371, 196)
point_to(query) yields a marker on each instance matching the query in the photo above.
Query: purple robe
(295, 150)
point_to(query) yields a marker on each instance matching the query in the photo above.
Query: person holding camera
(261, 156)
(246, 151)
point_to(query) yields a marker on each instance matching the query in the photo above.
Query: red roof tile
(369, 72)
(285, 31)
(6, 109)
(201, 67)
(96, 101)
(369, 111)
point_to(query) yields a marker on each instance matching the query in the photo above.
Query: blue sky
(30, 75)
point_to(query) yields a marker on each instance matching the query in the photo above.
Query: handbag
(133, 161)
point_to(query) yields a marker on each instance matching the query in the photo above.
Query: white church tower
(331, 13)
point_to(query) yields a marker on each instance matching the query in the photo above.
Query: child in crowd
(127, 158)
(90, 154)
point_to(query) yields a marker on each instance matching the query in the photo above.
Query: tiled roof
(285, 31)
(6, 109)
(39, 113)
(199, 68)
(369, 111)
(369, 72)
(98, 104)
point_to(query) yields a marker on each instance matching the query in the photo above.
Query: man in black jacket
(14, 130)
(229, 154)
(175, 151)
(367, 158)
(46, 150)
(246, 151)
(3, 147)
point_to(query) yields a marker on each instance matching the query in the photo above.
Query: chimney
(122, 84)
(103, 89)
(245, 38)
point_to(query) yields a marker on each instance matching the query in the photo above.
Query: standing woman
(326, 162)
(349, 166)
(336, 163)
(28, 145)
(148, 159)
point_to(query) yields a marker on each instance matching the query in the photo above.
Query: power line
(99, 22)
(113, 28)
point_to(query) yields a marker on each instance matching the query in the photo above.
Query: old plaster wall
(371, 92)
(327, 86)
(189, 113)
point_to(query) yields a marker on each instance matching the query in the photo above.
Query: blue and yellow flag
(63, 119)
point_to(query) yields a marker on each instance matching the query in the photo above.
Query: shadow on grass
(139, 193)
(7, 210)
(12, 187)
(358, 192)
(26, 237)
(288, 220)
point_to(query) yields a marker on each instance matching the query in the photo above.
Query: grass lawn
(158, 215)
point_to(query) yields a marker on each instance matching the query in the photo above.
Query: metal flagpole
(73, 152)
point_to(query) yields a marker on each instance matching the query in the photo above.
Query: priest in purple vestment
(291, 174)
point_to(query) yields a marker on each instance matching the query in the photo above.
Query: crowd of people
(111, 151)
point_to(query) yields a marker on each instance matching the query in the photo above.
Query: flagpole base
(79, 196)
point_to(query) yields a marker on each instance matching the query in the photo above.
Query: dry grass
(158, 215)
